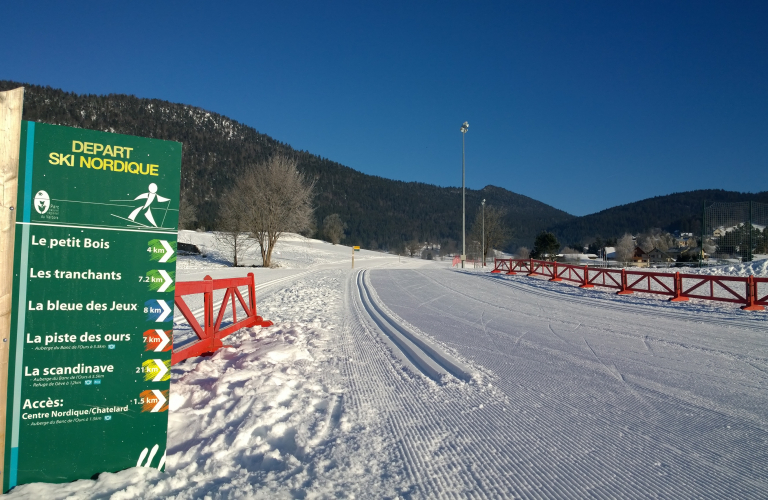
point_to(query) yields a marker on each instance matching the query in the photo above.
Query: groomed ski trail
(420, 352)
(576, 418)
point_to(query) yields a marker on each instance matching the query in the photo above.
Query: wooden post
(11, 103)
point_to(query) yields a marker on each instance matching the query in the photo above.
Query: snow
(404, 378)
(757, 268)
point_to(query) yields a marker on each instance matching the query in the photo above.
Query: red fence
(457, 261)
(750, 291)
(210, 333)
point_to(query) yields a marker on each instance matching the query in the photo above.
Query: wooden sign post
(11, 103)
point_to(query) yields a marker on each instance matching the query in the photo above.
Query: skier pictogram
(151, 196)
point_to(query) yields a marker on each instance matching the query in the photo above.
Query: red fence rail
(210, 333)
(457, 260)
(750, 291)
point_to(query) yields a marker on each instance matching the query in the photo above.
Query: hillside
(379, 212)
(678, 211)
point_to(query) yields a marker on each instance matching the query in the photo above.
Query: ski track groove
(409, 395)
(374, 370)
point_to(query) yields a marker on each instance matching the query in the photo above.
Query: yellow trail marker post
(354, 249)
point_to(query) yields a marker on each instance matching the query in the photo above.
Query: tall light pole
(483, 204)
(464, 128)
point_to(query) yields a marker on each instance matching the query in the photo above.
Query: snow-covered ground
(758, 268)
(404, 378)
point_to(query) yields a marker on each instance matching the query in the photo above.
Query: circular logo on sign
(42, 202)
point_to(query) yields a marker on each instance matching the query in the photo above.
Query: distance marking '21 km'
(156, 370)
(162, 251)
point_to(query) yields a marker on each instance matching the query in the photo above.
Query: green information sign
(94, 277)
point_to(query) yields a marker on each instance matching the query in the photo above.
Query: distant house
(639, 255)
(685, 240)
(657, 255)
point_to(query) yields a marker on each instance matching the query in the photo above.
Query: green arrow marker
(162, 251)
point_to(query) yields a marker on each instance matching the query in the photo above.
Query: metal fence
(735, 232)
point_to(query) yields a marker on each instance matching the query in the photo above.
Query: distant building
(685, 240)
(657, 255)
(639, 256)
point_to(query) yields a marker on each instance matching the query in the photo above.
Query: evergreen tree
(545, 246)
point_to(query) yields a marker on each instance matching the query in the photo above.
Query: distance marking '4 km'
(162, 250)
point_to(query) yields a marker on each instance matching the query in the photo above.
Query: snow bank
(758, 268)
(244, 422)
(293, 251)
(268, 419)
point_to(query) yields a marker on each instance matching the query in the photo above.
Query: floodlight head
(464, 127)
(483, 201)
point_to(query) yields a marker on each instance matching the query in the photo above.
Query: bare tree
(282, 201)
(625, 248)
(232, 237)
(274, 198)
(656, 238)
(187, 213)
(496, 231)
(646, 243)
(473, 250)
(448, 247)
(413, 247)
(523, 253)
(333, 228)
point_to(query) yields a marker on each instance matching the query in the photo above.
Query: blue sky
(581, 105)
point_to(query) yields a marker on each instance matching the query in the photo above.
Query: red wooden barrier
(500, 265)
(573, 274)
(210, 333)
(457, 261)
(680, 287)
(760, 292)
(707, 287)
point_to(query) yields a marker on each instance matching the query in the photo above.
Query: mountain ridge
(680, 211)
(378, 211)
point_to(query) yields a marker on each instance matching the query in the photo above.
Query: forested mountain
(218, 150)
(678, 211)
(378, 212)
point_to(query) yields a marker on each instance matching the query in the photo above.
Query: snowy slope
(403, 378)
